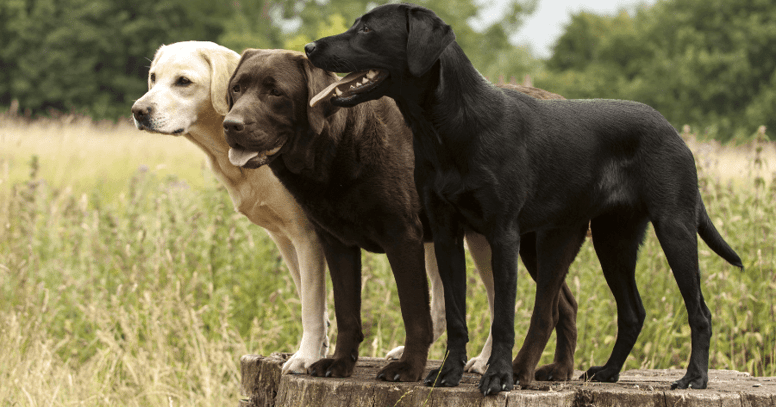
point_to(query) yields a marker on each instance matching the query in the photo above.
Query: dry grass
(126, 278)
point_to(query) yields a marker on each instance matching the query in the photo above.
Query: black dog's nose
(234, 126)
(309, 48)
(141, 113)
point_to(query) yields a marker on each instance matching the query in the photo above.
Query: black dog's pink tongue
(350, 83)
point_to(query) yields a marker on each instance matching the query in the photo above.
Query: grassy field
(126, 278)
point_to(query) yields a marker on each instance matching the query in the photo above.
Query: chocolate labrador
(504, 164)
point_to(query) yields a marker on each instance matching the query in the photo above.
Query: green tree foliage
(91, 55)
(707, 63)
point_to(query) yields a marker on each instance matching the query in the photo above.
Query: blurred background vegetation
(706, 63)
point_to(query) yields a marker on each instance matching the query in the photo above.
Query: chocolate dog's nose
(309, 48)
(234, 126)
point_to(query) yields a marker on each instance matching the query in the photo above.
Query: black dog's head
(384, 46)
(269, 116)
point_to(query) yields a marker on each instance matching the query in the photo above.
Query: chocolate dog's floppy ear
(245, 55)
(317, 80)
(427, 39)
(223, 63)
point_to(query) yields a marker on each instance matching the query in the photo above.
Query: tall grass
(126, 278)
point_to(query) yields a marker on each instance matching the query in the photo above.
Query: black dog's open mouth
(352, 85)
(241, 157)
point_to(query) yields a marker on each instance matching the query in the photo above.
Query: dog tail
(711, 236)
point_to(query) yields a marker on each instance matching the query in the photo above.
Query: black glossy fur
(504, 164)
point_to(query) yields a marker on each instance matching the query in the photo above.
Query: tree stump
(264, 386)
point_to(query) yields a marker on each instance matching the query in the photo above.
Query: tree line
(707, 63)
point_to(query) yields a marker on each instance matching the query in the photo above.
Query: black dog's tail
(711, 236)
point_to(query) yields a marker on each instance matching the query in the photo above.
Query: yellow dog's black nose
(141, 113)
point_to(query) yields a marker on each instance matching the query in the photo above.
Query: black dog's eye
(236, 88)
(183, 81)
(364, 29)
(275, 92)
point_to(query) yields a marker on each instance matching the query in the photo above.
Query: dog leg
(679, 239)
(504, 247)
(437, 301)
(345, 270)
(481, 255)
(407, 264)
(556, 250)
(450, 255)
(617, 240)
(562, 367)
(306, 262)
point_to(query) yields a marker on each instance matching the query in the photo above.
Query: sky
(541, 29)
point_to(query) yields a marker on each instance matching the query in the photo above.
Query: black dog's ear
(247, 54)
(317, 80)
(427, 39)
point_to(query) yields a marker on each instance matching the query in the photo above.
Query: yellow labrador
(187, 97)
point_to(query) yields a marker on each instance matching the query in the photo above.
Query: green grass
(126, 278)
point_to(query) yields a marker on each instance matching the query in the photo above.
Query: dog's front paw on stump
(448, 375)
(402, 371)
(496, 379)
(554, 372)
(342, 367)
(601, 374)
(697, 381)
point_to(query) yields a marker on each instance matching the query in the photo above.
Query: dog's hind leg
(679, 240)
(345, 270)
(616, 238)
(562, 367)
(555, 251)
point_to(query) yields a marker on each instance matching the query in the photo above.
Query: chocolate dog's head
(269, 115)
(382, 48)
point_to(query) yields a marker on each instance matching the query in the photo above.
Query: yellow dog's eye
(183, 81)
(153, 77)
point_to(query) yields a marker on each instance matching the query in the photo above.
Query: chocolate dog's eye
(275, 92)
(236, 88)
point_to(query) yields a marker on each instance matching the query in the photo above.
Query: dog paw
(298, 364)
(448, 375)
(554, 372)
(395, 353)
(601, 374)
(402, 371)
(342, 367)
(478, 364)
(496, 379)
(691, 382)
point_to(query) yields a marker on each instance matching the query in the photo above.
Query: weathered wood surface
(264, 386)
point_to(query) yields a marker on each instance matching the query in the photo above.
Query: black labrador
(355, 183)
(504, 164)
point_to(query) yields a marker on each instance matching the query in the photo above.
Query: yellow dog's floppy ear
(427, 38)
(223, 63)
(317, 80)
